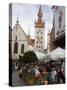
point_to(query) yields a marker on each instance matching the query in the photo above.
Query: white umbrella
(57, 53)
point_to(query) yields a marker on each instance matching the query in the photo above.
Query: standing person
(13, 68)
(16, 67)
(54, 74)
(62, 71)
(47, 67)
(62, 66)
(49, 76)
(33, 70)
(58, 77)
(61, 76)
(37, 72)
(20, 73)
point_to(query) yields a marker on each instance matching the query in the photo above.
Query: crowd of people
(51, 72)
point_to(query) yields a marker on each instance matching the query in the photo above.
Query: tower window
(41, 37)
(37, 42)
(22, 48)
(39, 46)
(41, 42)
(16, 47)
(39, 51)
(37, 37)
(41, 32)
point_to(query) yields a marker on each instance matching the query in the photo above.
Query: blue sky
(27, 13)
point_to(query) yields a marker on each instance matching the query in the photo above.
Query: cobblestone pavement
(16, 81)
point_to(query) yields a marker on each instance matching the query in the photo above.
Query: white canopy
(40, 55)
(57, 53)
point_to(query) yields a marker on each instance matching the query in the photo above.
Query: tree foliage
(28, 57)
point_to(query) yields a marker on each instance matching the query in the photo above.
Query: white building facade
(59, 20)
(19, 41)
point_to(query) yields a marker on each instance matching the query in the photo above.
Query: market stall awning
(40, 55)
(57, 53)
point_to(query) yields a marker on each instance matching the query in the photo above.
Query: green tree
(28, 57)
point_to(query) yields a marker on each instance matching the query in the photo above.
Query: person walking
(54, 74)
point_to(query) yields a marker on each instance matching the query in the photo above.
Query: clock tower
(39, 32)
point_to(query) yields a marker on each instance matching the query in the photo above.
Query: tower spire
(17, 18)
(40, 14)
(39, 22)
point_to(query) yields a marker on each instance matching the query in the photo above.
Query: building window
(59, 22)
(37, 46)
(37, 42)
(41, 37)
(41, 32)
(41, 42)
(60, 18)
(37, 37)
(22, 48)
(16, 37)
(16, 47)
